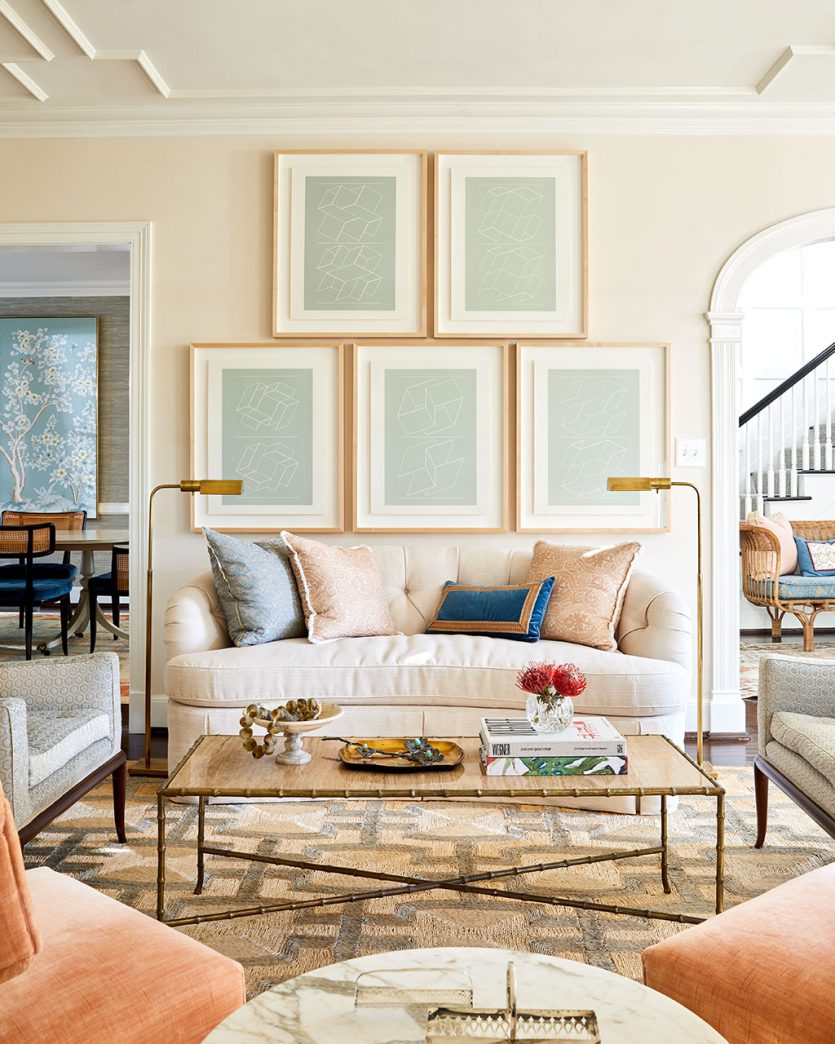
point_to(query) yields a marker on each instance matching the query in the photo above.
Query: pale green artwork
(594, 427)
(267, 435)
(350, 244)
(510, 238)
(431, 437)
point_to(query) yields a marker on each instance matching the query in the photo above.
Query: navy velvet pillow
(499, 611)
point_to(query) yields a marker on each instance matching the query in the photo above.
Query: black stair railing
(788, 383)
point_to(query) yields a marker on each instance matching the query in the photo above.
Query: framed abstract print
(510, 244)
(350, 244)
(430, 437)
(585, 413)
(49, 374)
(272, 416)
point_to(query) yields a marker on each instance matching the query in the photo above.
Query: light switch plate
(691, 453)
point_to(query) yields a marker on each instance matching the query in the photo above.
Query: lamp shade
(222, 487)
(626, 484)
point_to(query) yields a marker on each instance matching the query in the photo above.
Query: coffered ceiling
(217, 66)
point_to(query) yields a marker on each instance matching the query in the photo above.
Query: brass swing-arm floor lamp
(148, 766)
(644, 485)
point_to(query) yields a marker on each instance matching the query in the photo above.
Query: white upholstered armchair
(60, 733)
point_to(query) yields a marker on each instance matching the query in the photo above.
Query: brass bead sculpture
(293, 710)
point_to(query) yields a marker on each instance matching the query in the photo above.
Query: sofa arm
(655, 622)
(77, 682)
(194, 620)
(14, 756)
(788, 683)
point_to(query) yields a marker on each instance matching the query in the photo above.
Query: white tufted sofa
(420, 684)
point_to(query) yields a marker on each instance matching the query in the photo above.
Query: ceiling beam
(25, 81)
(25, 31)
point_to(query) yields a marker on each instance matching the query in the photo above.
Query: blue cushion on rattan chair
(13, 592)
(102, 584)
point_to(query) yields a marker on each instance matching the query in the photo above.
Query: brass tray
(349, 755)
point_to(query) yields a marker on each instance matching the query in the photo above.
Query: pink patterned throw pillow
(341, 589)
(781, 527)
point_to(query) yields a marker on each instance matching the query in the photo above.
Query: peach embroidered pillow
(341, 589)
(780, 526)
(589, 587)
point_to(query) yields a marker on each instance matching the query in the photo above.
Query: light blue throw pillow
(256, 589)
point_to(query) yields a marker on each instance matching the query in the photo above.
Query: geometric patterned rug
(428, 839)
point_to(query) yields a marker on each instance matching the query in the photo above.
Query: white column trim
(725, 711)
(137, 234)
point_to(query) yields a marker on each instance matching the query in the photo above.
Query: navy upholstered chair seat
(110, 585)
(13, 592)
(42, 570)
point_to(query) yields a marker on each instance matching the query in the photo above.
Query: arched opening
(726, 316)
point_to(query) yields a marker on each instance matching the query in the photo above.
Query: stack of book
(590, 746)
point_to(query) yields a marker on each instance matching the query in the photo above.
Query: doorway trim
(725, 316)
(137, 234)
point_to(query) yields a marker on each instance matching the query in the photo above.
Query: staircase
(785, 442)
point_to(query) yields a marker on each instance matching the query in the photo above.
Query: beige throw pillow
(341, 589)
(589, 587)
(781, 527)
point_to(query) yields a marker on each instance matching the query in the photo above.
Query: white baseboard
(159, 712)
(724, 713)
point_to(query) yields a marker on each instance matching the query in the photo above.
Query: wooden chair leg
(119, 780)
(93, 601)
(761, 797)
(20, 618)
(808, 623)
(114, 599)
(777, 628)
(27, 615)
(65, 625)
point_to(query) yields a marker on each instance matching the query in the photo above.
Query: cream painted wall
(664, 214)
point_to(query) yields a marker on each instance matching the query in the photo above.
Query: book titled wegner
(516, 737)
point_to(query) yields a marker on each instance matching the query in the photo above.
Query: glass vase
(549, 713)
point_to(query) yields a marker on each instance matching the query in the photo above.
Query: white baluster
(769, 482)
(817, 445)
(781, 471)
(827, 462)
(804, 452)
(759, 456)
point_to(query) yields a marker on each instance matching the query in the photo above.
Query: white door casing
(726, 711)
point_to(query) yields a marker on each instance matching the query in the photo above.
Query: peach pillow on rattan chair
(20, 939)
(341, 590)
(780, 526)
(589, 588)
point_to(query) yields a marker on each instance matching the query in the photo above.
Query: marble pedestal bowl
(294, 731)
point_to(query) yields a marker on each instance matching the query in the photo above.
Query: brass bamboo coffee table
(216, 766)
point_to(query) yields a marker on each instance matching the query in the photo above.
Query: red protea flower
(535, 678)
(568, 680)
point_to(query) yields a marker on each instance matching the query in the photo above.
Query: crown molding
(305, 117)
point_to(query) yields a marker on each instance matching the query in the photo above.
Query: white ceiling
(106, 66)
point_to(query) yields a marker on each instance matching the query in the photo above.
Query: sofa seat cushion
(108, 973)
(428, 670)
(812, 737)
(762, 972)
(805, 776)
(54, 739)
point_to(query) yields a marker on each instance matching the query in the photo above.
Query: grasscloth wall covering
(664, 214)
(114, 382)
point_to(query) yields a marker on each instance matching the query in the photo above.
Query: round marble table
(320, 1006)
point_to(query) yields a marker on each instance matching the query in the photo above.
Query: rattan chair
(111, 584)
(71, 521)
(802, 596)
(23, 589)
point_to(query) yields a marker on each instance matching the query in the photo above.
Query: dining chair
(71, 521)
(114, 584)
(24, 590)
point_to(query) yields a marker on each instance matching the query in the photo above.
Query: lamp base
(157, 767)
